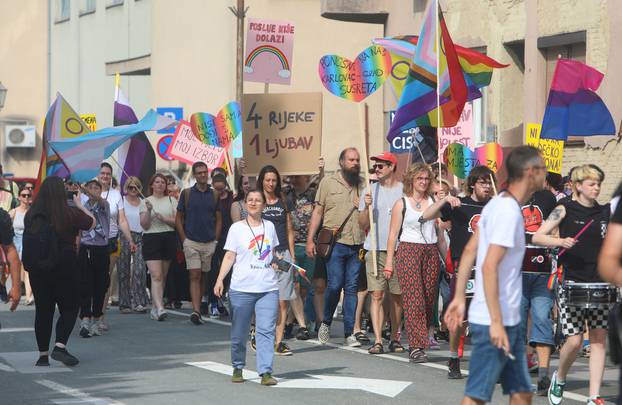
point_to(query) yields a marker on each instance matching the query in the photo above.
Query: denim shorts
(538, 301)
(488, 363)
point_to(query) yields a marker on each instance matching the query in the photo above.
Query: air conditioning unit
(20, 136)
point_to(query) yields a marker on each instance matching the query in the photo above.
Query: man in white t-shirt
(380, 200)
(494, 314)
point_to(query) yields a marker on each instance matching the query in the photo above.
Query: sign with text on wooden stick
(283, 130)
(187, 148)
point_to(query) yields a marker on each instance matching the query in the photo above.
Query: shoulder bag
(326, 238)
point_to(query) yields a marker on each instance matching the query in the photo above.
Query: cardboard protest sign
(460, 159)
(552, 150)
(284, 130)
(269, 49)
(187, 148)
(219, 130)
(90, 120)
(462, 133)
(355, 80)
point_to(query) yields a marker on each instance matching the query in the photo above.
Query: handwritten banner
(355, 80)
(462, 133)
(90, 120)
(269, 49)
(284, 130)
(460, 160)
(220, 130)
(552, 150)
(187, 148)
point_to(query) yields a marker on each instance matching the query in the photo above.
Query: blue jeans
(343, 273)
(488, 363)
(538, 300)
(265, 306)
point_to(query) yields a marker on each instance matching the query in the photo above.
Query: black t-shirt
(6, 228)
(464, 221)
(580, 261)
(537, 210)
(616, 218)
(277, 214)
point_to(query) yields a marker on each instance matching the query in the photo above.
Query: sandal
(377, 348)
(396, 347)
(361, 337)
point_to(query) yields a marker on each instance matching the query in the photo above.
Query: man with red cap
(380, 197)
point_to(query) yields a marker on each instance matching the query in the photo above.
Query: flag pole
(438, 95)
(124, 172)
(372, 227)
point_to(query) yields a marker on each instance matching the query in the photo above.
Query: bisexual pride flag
(573, 107)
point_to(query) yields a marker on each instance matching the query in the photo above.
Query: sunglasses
(29, 187)
(379, 166)
(26, 195)
(132, 188)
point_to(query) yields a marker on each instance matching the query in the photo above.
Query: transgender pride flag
(573, 107)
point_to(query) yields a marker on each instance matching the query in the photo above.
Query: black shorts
(159, 246)
(320, 268)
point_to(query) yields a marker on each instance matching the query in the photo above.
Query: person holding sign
(250, 246)
(464, 213)
(582, 224)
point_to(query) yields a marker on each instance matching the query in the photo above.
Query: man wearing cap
(380, 199)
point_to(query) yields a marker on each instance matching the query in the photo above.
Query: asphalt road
(140, 361)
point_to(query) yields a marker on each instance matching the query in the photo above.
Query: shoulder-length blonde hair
(411, 174)
(132, 181)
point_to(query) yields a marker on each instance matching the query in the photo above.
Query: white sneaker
(351, 341)
(323, 334)
(102, 326)
(95, 330)
(162, 314)
(153, 314)
(85, 328)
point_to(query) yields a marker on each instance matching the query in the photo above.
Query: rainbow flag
(573, 107)
(419, 96)
(476, 66)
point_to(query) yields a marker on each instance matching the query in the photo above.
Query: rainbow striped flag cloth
(462, 73)
(573, 107)
(477, 67)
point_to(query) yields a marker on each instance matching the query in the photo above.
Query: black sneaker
(454, 372)
(543, 386)
(195, 318)
(289, 331)
(303, 334)
(43, 361)
(62, 355)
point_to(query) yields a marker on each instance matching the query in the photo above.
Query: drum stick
(576, 237)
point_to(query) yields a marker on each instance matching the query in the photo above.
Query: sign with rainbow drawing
(269, 50)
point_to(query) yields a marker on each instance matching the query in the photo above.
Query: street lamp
(3, 91)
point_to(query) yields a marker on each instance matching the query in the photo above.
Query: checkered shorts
(573, 319)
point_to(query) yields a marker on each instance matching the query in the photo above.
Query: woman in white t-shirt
(157, 217)
(254, 287)
(417, 260)
(131, 265)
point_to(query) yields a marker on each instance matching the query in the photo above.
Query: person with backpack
(157, 217)
(93, 261)
(198, 223)
(51, 227)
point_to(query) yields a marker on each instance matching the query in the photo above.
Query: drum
(590, 295)
(537, 260)
(470, 288)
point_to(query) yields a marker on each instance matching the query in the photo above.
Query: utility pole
(240, 13)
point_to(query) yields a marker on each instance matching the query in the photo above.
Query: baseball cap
(386, 157)
(218, 177)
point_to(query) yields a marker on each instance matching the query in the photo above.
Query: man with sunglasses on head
(464, 214)
(380, 198)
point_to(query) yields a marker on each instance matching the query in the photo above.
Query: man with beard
(336, 204)
(464, 214)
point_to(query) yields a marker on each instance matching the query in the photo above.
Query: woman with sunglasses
(417, 261)
(157, 217)
(131, 266)
(17, 216)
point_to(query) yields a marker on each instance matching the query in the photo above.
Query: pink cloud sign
(269, 49)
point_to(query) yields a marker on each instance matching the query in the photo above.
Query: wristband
(387, 271)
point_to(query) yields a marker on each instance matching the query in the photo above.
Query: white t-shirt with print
(252, 271)
(501, 224)
(115, 200)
